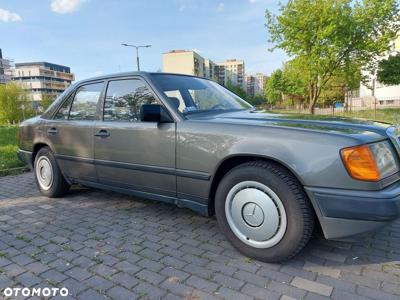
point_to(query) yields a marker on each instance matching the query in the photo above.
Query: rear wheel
(263, 211)
(49, 178)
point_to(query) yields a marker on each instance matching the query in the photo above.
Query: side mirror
(154, 113)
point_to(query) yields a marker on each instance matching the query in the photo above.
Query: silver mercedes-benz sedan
(268, 178)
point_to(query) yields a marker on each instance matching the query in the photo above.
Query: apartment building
(230, 71)
(185, 62)
(255, 84)
(209, 69)
(191, 63)
(42, 79)
(374, 91)
(5, 71)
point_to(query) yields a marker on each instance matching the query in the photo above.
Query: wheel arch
(230, 162)
(36, 147)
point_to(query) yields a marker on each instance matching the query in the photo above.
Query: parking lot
(106, 245)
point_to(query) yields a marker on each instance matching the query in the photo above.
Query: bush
(14, 104)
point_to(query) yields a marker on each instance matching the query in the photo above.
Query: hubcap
(44, 172)
(255, 214)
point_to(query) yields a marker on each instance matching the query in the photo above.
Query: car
(270, 179)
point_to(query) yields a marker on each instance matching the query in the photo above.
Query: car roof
(127, 74)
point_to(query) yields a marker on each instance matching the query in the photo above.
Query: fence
(352, 105)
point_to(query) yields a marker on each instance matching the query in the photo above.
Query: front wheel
(263, 211)
(48, 176)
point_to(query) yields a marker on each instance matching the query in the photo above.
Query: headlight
(370, 162)
(385, 158)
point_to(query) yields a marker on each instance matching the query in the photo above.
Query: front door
(71, 132)
(129, 153)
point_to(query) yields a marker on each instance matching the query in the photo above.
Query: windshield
(193, 95)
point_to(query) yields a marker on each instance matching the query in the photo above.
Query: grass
(8, 151)
(389, 115)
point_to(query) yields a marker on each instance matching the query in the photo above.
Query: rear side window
(124, 99)
(63, 111)
(85, 102)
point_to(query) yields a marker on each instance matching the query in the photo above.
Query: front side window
(63, 111)
(85, 102)
(124, 99)
(192, 95)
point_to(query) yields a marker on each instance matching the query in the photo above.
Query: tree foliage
(14, 104)
(47, 100)
(256, 100)
(328, 37)
(274, 88)
(389, 70)
(236, 89)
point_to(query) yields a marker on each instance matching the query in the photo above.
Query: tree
(256, 100)
(14, 105)
(295, 80)
(274, 88)
(389, 70)
(236, 89)
(328, 36)
(47, 100)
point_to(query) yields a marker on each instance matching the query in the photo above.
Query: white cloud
(252, 1)
(66, 6)
(220, 7)
(8, 16)
(186, 4)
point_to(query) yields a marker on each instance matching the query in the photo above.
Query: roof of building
(45, 64)
(178, 51)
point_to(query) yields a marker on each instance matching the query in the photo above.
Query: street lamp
(137, 52)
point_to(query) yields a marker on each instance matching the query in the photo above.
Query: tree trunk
(314, 94)
(311, 109)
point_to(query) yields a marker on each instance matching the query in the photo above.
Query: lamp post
(137, 52)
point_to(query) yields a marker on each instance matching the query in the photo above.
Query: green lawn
(8, 149)
(389, 115)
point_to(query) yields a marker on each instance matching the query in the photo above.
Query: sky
(86, 35)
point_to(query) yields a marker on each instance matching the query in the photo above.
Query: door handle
(52, 131)
(103, 133)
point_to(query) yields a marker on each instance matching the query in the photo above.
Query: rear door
(71, 132)
(129, 153)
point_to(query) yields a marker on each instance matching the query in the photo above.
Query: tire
(263, 211)
(48, 176)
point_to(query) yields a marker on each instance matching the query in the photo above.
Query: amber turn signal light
(360, 163)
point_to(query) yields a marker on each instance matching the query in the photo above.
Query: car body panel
(73, 147)
(140, 155)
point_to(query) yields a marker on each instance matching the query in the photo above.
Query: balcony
(56, 74)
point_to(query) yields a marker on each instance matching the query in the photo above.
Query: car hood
(329, 124)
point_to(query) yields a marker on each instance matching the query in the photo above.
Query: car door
(129, 153)
(71, 132)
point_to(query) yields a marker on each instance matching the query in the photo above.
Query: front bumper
(344, 213)
(25, 157)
